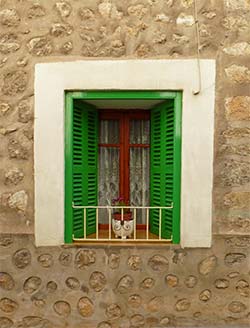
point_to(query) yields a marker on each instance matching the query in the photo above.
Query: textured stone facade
(124, 287)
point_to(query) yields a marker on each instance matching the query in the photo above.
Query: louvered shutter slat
(163, 175)
(84, 166)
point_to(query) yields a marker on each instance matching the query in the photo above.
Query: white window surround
(51, 81)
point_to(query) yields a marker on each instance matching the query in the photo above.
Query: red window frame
(124, 117)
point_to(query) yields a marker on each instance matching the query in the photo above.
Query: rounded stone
(85, 307)
(147, 283)
(155, 304)
(187, 3)
(152, 322)
(51, 286)
(185, 20)
(135, 262)
(7, 305)
(137, 320)
(6, 322)
(14, 82)
(40, 46)
(22, 258)
(238, 73)
(134, 300)
(35, 322)
(171, 280)
(46, 260)
(104, 9)
(64, 8)
(9, 17)
(62, 308)
(85, 258)
(6, 240)
(36, 11)
(232, 259)
(182, 305)
(238, 49)
(125, 284)
(85, 13)
(60, 30)
(242, 284)
(207, 265)
(22, 62)
(66, 47)
(221, 283)
(205, 295)
(243, 289)
(233, 274)
(197, 314)
(6, 281)
(237, 108)
(113, 311)
(114, 261)
(97, 281)
(190, 281)
(72, 283)
(39, 303)
(13, 176)
(65, 258)
(165, 321)
(24, 111)
(9, 43)
(32, 284)
(236, 307)
(158, 263)
(104, 324)
(19, 199)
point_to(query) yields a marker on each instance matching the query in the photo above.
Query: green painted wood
(90, 170)
(81, 166)
(127, 94)
(165, 168)
(177, 168)
(68, 168)
(165, 158)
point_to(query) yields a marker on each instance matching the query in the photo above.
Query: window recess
(130, 152)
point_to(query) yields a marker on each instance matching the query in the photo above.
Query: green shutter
(165, 168)
(81, 167)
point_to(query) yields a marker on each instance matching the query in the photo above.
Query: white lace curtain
(109, 166)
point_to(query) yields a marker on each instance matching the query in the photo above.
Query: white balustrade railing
(111, 209)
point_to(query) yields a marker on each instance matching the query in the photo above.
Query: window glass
(109, 132)
(139, 132)
(108, 178)
(139, 180)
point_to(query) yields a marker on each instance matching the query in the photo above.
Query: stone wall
(122, 286)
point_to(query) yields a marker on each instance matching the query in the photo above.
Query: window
(124, 159)
(93, 134)
(52, 80)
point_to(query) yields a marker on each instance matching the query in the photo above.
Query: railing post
(84, 223)
(147, 223)
(110, 223)
(134, 223)
(160, 223)
(97, 223)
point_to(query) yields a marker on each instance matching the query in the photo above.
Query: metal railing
(110, 234)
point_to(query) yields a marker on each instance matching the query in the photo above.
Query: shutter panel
(164, 179)
(77, 158)
(90, 148)
(81, 167)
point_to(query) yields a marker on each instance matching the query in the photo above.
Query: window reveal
(124, 138)
(82, 165)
